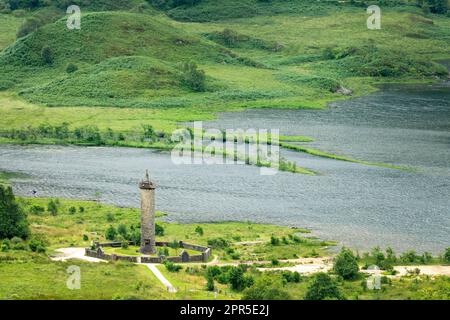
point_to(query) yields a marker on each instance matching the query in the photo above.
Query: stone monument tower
(147, 215)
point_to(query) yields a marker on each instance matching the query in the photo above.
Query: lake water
(360, 206)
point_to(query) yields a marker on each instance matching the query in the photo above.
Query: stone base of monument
(96, 251)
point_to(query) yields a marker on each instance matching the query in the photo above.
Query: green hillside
(253, 54)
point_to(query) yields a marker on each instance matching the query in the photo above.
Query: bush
(446, 256)
(210, 284)
(30, 25)
(47, 55)
(289, 276)
(6, 245)
(37, 210)
(13, 221)
(72, 210)
(199, 230)
(192, 77)
(323, 287)
(409, 257)
(238, 280)
(37, 245)
(346, 264)
(266, 288)
(218, 243)
(111, 233)
(159, 230)
(52, 207)
(123, 231)
(171, 267)
(85, 237)
(274, 241)
(71, 68)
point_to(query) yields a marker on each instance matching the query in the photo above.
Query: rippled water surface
(360, 206)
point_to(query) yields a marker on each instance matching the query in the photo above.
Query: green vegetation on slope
(287, 55)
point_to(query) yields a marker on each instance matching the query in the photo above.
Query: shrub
(30, 25)
(289, 276)
(111, 233)
(174, 244)
(37, 210)
(13, 221)
(210, 284)
(85, 237)
(346, 264)
(6, 245)
(52, 207)
(218, 243)
(71, 68)
(37, 245)
(409, 257)
(446, 256)
(323, 287)
(122, 230)
(72, 210)
(238, 280)
(192, 77)
(266, 288)
(159, 230)
(274, 241)
(47, 55)
(171, 267)
(199, 230)
(81, 209)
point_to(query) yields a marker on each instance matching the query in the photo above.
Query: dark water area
(360, 206)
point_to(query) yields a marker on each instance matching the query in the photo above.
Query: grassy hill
(283, 54)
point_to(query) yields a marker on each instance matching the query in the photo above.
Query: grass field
(30, 276)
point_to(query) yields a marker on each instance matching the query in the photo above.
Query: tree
(52, 207)
(111, 233)
(159, 230)
(346, 264)
(237, 279)
(47, 55)
(323, 287)
(71, 68)
(122, 230)
(210, 283)
(13, 221)
(438, 6)
(446, 256)
(192, 77)
(30, 25)
(266, 288)
(199, 230)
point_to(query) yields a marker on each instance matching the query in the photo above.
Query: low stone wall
(193, 247)
(151, 260)
(183, 258)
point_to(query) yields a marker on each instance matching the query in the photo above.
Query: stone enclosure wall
(185, 257)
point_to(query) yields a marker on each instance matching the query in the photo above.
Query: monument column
(147, 215)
